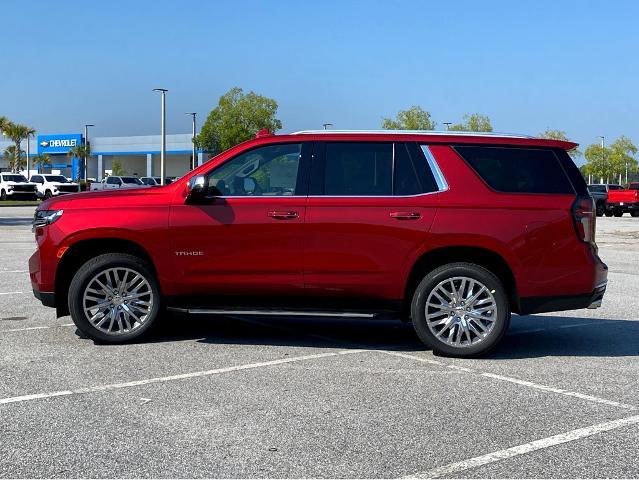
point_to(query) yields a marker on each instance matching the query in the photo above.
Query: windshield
(134, 180)
(597, 188)
(633, 186)
(14, 178)
(57, 178)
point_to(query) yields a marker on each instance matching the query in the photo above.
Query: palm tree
(14, 158)
(17, 132)
(41, 160)
(81, 151)
(4, 122)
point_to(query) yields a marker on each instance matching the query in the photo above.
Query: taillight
(583, 211)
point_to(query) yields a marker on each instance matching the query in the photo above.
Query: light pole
(86, 146)
(163, 136)
(602, 152)
(448, 124)
(193, 114)
(28, 153)
(327, 125)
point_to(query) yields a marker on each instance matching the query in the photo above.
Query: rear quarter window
(518, 170)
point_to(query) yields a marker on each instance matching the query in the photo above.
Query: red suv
(450, 231)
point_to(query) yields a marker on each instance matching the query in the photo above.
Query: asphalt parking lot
(245, 397)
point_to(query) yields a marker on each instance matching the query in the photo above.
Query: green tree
(597, 162)
(80, 151)
(41, 160)
(117, 168)
(14, 158)
(17, 132)
(415, 118)
(561, 135)
(622, 160)
(475, 122)
(237, 118)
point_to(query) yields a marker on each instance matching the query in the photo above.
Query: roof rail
(413, 132)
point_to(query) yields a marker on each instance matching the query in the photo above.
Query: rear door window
(358, 169)
(517, 170)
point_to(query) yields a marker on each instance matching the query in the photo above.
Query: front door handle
(283, 215)
(406, 215)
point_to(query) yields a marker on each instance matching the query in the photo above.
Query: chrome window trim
(262, 197)
(440, 180)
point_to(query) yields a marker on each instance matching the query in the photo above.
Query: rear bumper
(529, 305)
(625, 206)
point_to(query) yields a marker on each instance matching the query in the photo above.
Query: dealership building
(138, 155)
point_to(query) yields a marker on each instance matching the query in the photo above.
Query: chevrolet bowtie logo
(44, 143)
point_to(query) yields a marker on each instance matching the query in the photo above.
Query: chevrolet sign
(58, 143)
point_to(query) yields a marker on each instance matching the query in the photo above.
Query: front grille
(68, 188)
(24, 188)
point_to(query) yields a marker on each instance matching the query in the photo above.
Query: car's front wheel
(114, 298)
(461, 310)
(601, 208)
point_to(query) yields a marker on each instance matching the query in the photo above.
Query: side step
(273, 313)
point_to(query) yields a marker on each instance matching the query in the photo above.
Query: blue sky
(572, 65)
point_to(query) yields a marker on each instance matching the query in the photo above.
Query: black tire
(474, 272)
(617, 213)
(81, 281)
(608, 213)
(634, 213)
(48, 195)
(601, 208)
(3, 195)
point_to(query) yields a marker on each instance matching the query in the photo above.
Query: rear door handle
(283, 215)
(406, 215)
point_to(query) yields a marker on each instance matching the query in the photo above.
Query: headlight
(45, 217)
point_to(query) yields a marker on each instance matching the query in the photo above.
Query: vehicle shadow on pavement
(289, 331)
(543, 336)
(527, 337)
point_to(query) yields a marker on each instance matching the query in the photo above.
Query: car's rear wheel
(461, 310)
(3, 195)
(114, 298)
(617, 213)
(47, 194)
(601, 208)
(634, 213)
(608, 213)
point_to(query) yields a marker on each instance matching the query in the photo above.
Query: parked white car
(53, 185)
(16, 186)
(113, 182)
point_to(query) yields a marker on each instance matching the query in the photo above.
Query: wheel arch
(80, 252)
(483, 257)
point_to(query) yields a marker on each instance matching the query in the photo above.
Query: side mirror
(196, 186)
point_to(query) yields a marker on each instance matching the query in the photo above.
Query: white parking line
(523, 383)
(44, 327)
(525, 448)
(169, 378)
(14, 271)
(11, 293)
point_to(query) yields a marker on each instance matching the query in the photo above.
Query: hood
(100, 199)
(20, 183)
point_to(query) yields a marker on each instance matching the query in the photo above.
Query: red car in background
(623, 201)
(450, 231)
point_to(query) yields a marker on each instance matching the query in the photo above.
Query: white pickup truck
(113, 182)
(16, 186)
(53, 185)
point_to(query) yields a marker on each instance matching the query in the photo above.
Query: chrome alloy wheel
(117, 301)
(461, 311)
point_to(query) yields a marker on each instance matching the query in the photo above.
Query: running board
(278, 313)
